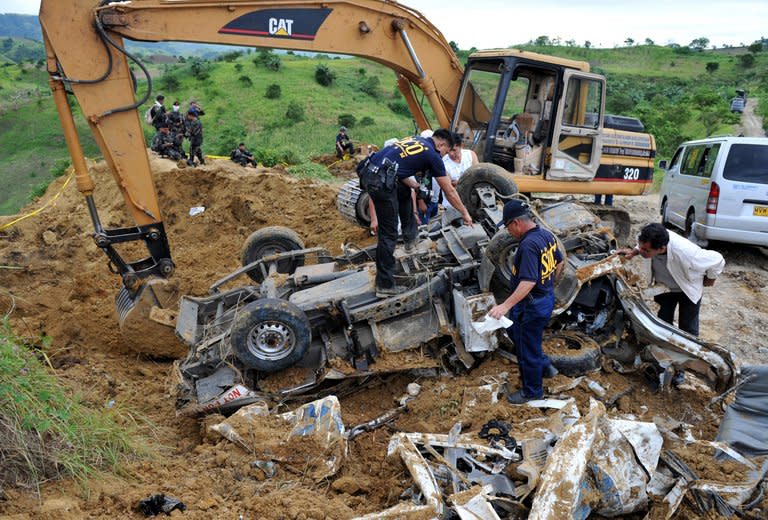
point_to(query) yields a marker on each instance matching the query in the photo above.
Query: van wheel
(664, 218)
(689, 220)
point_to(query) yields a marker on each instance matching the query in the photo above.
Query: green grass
(46, 430)
(32, 143)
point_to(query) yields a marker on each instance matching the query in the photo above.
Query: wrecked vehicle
(307, 318)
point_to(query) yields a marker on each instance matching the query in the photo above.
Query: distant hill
(20, 26)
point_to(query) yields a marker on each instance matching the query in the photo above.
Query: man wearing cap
(389, 176)
(537, 263)
(343, 143)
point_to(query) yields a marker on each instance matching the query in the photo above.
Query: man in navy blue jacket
(537, 263)
(389, 176)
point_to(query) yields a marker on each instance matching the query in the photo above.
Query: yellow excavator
(536, 122)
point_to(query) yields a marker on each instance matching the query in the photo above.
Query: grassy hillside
(678, 93)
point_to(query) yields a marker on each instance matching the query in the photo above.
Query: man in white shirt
(683, 267)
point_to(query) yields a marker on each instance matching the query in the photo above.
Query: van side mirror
(663, 164)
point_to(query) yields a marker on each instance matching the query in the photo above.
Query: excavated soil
(63, 289)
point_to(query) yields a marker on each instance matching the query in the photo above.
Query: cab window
(582, 104)
(692, 160)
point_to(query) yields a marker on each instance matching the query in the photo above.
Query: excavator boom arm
(86, 55)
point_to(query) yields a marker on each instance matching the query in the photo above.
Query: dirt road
(751, 123)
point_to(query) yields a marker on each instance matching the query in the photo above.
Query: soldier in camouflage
(163, 143)
(194, 132)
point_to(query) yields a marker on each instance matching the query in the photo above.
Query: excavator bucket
(148, 319)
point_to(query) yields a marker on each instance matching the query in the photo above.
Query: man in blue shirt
(389, 176)
(537, 263)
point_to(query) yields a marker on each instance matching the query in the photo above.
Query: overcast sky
(605, 23)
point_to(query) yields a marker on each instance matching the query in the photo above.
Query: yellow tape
(38, 210)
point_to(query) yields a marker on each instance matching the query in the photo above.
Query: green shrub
(324, 76)
(747, 60)
(295, 112)
(347, 120)
(273, 91)
(245, 81)
(267, 59)
(371, 86)
(38, 190)
(238, 67)
(271, 157)
(362, 71)
(367, 121)
(273, 62)
(169, 82)
(60, 167)
(200, 68)
(399, 107)
(310, 170)
(229, 57)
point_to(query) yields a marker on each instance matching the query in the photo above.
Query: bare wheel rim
(271, 340)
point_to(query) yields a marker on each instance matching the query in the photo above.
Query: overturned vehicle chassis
(307, 318)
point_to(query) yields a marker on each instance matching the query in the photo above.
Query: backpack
(149, 116)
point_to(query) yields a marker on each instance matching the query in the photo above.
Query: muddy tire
(269, 241)
(689, 221)
(663, 211)
(572, 353)
(501, 251)
(269, 335)
(483, 174)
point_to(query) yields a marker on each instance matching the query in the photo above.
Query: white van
(717, 189)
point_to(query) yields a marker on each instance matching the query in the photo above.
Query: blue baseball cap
(512, 210)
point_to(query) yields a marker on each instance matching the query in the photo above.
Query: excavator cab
(532, 117)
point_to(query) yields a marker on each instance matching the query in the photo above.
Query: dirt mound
(62, 274)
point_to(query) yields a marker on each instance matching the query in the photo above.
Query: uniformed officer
(537, 263)
(388, 176)
(194, 132)
(163, 143)
(242, 156)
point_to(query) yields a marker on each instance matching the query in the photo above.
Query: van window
(747, 163)
(676, 158)
(710, 155)
(692, 160)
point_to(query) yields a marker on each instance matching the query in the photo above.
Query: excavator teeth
(125, 302)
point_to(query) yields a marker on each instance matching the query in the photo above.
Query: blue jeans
(431, 212)
(530, 318)
(608, 199)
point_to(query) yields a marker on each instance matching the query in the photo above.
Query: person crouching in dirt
(242, 156)
(163, 143)
(537, 263)
(343, 143)
(683, 267)
(194, 132)
(389, 176)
